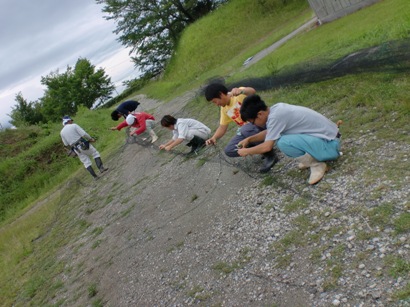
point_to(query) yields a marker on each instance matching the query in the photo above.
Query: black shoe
(270, 159)
(103, 169)
(196, 144)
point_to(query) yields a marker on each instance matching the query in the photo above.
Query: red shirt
(139, 123)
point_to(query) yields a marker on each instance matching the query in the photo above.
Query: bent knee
(231, 153)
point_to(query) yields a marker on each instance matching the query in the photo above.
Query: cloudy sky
(41, 36)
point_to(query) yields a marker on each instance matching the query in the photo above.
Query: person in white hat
(75, 138)
(139, 123)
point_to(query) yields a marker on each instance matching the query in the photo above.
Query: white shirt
(185, 127)
(71, 133)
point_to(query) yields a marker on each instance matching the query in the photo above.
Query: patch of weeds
(194, 197)
(397, 266)
(92, 290)
(294, 237)
(333, 231)
(201, 162)
(403, 294)
(97, 231)
(139, 181)
(269, 180)
(316, 255)
(109, 199)
(96, 244)
(315, 237)
(297, 204)
(196, 289)
(127, 211)
(364, 235)
(83, 224)
(227, 268)
(203, 296)
(303, 222)
(177, 246)
(33, 285)
(269, 207)
(402, 223)
(293, 173)
(179, 284)
(89, 210)
(329, 284)
(197, 292)
(98, 303)
(336, 270)
(339, 251)
(283, 261)
(149, 235)
(58, 285)
(125, 200)
(380, 216)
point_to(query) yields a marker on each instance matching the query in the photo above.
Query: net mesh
(392, 56)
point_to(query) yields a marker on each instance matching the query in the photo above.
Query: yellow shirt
(230, 112)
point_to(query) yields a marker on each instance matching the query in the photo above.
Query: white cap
(130, 119)
(66, 119)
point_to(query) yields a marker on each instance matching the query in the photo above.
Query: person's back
(71, 133)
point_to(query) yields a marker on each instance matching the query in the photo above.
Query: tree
(79, 86)
(151, 28)
(92, 85)
(25, 113)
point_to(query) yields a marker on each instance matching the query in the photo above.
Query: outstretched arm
(259, 149)
(217, 135)
(172, 144)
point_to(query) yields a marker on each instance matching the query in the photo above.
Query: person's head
(168, 121)
(217, 93)
(130, 119)
(254, 110)
(115, 115)
(67, 120)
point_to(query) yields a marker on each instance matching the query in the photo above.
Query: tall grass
(362, 29)
(235, 31)
(42, 164)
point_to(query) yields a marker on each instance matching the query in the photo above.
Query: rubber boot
(91, 170)
(100, 165)
(153, 135)
(317, 169)
(196, 143)
(270, 159)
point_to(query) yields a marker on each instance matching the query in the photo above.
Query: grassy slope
(371, 101)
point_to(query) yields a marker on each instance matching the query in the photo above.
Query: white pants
(85, 155)
(149, 123)
(202, 133)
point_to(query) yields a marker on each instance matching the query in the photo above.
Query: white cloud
(47, 35)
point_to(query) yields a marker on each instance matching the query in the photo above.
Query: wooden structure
(328, 10)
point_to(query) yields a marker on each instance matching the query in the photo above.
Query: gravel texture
(210, 231)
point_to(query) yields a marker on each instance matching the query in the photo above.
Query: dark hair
(114, 115)
(168, 120)
(250, 107)
(214, 90)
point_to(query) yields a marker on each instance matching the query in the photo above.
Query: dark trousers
(243, 132)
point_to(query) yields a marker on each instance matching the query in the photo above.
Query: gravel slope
(211, 231)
